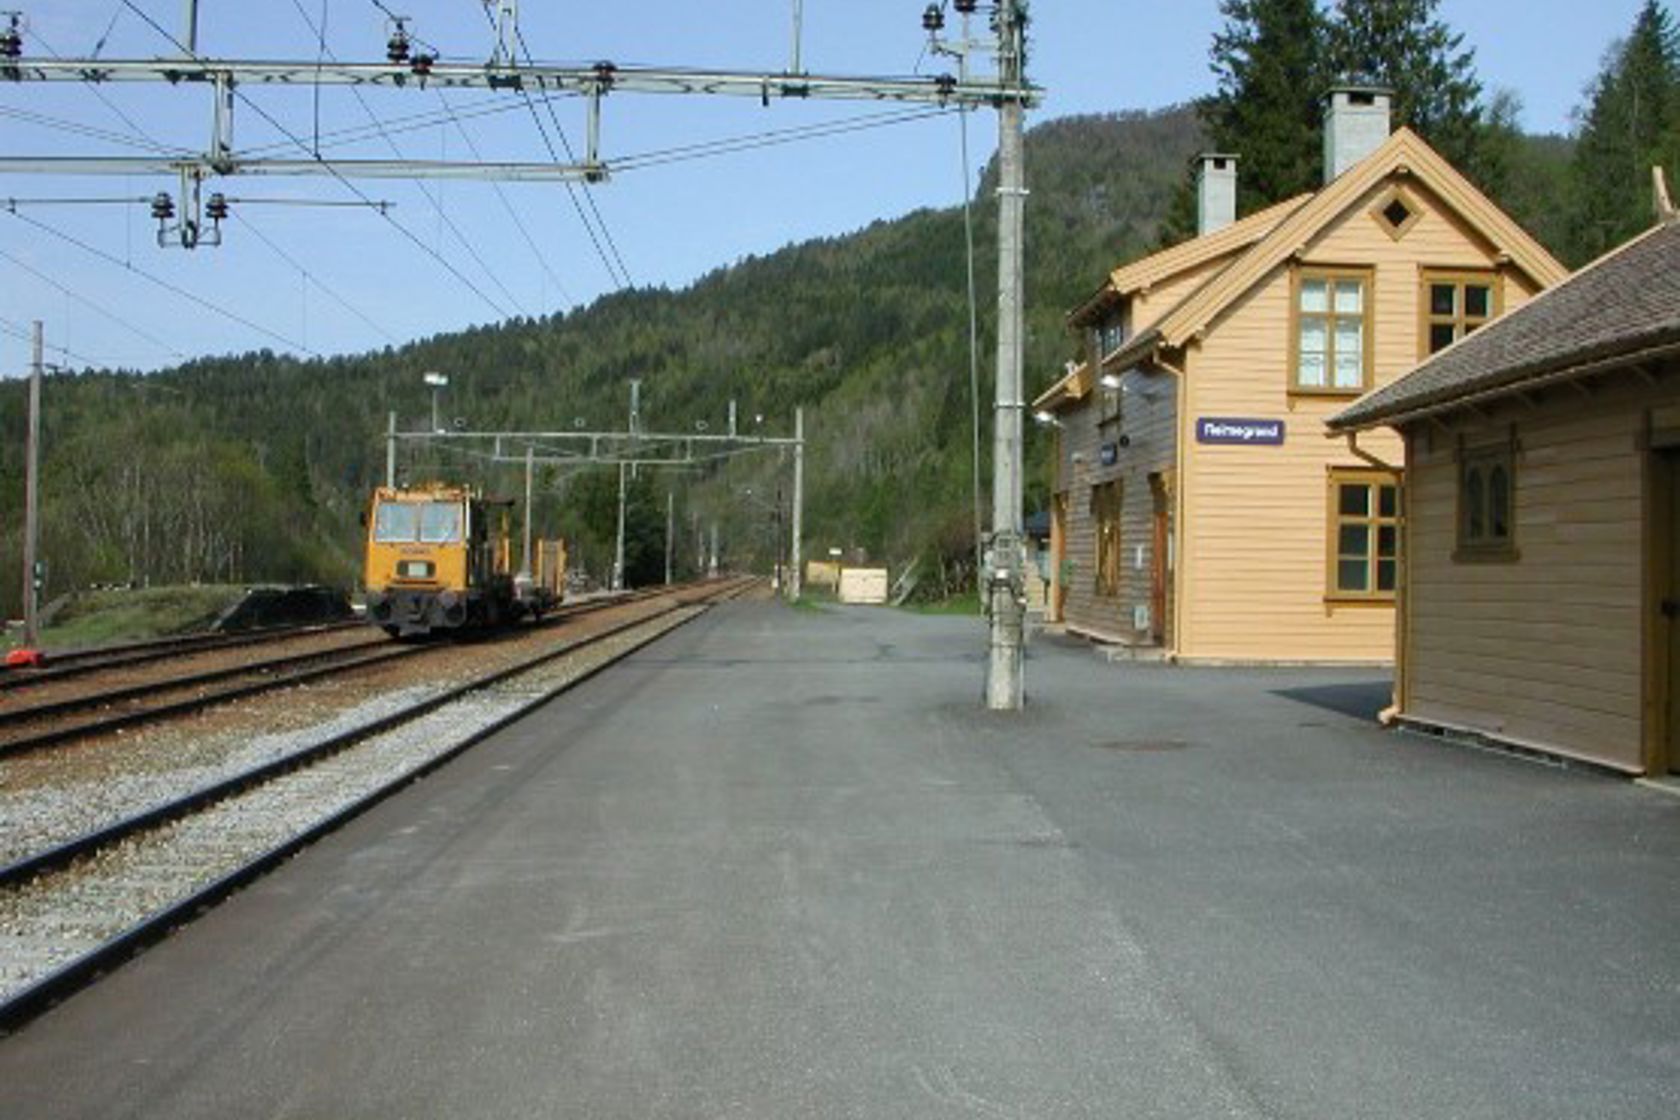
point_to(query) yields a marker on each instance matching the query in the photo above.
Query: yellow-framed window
(1105, 515)
(1330, 331)
(1455, 303)
(1364, 546)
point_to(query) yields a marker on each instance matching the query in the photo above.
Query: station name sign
(1225, 429)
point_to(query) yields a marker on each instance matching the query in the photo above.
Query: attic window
(1397, 212)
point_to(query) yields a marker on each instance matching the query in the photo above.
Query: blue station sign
(1225, 429)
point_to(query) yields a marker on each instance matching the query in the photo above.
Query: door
(1058, 556)
(1160, 568)
(1665, 545)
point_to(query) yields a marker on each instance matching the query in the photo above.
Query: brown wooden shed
(1540, 591)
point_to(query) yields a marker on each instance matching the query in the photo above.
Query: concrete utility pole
(712, 562)
(670, 533)
(618, 548)
(1004, 687)
(525, 552)
(32, 494)
(795, 576)
(391, 450)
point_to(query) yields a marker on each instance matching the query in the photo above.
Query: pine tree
(1270, 64)
(1630, 125)
(1401, 46)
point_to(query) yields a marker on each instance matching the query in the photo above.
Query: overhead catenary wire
(91, 132)
(190, 296)
(513, 214)
(98, 308)
(588, 194)
(773, 138)
(23, 334)
(327, 166)
(316, 280)
(153, 143)
(465, 242)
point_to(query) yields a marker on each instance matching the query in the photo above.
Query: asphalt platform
(782, 864)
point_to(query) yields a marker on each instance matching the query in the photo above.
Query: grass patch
(968, 604)
(815, 603)
(97, 618)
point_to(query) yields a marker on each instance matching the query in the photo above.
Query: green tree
(1269, 61)
(1401, 46)
(1628, 127)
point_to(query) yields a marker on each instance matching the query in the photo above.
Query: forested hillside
(256, 467)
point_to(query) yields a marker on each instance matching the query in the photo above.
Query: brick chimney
(1356, 123)
(1216, 192)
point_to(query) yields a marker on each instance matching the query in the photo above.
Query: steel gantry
(1007, 91)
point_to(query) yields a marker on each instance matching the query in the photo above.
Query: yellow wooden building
(1200, 509)
(1541, 590)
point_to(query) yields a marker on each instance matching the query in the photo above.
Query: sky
(331, 279)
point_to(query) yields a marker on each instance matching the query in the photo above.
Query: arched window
(1487, 503)
(1475, 504)
(1499, 503)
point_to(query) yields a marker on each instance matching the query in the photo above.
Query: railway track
(82, 662)
(103, 711)
(72, 910)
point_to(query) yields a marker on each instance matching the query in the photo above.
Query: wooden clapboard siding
(1149, 426)
(1256, 519)
(1546, 648)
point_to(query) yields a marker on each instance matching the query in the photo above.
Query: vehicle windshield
(440, 523)
(427, 522)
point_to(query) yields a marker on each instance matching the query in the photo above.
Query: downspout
(1388, 715)
(1175, 542)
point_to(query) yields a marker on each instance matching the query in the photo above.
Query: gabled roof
(1186, 255)
(1624, 304)
(1143, 274)
(1274, 235)
(1403, 153)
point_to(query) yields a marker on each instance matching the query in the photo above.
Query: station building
(1541, 583)
(1200, 510)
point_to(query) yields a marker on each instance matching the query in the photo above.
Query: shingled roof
(1625, 303)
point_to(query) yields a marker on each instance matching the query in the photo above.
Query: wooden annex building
(1200, 510)
(1541, 590)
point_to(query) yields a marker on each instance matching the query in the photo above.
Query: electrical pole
(670, 532)
(712, 563)
(391, 451)
(795, 576)
(1004, 688)
(618, 548)
(525, 552)
(31, 495)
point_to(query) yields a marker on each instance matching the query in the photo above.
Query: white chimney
(1216, 192)
(1355, 125)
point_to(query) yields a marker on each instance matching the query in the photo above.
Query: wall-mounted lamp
(1109, 381)
(1044, 417)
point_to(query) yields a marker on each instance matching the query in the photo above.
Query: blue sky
(670, 223)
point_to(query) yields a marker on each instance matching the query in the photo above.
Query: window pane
(1311, 371)
(1386, 573)
(1388, 501)
(1350, 353)
(1352, 575)
(1441, 336)
(440, 523)
(1353, 540)
(1388, 540)
(1315, 339)
(1478, 300)
(1350, 297)
(1474, 525)
(1315, 295)
(1499, 504)
(1355, 500)
(1443, 299)
(395, 522)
